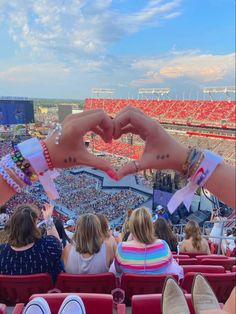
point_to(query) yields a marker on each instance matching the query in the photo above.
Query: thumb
(133, 166)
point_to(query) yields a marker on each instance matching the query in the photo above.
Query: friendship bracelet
(7, 178)
(9, 164)
(205, 166)
(47, 156)
(23, 165)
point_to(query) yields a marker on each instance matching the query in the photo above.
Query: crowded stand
(140, 259)
(185, 112)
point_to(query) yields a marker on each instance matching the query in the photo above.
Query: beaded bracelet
(192, 158)
(8, 163)
(47, 156)
(23, 165)
(7, 178)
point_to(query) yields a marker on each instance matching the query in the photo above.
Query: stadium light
(214, 90)
(97, 92)
(154, 91)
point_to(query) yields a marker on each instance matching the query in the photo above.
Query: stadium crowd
(90, 251)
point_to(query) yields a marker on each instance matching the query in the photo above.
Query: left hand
(71, 150)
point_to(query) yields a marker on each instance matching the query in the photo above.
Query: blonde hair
(104, 225)
(141, 225)
(193, 231)
(88, 235)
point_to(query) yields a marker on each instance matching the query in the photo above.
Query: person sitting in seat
(193, 241)
(164, 232)
(88, 253)
(144, 254)
(26, 251)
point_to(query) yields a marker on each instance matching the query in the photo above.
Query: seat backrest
(94, 303)
(151, 304)
(182, 256)
(226, 263)
(222, 284)
(233, 269)
(201, 257)
(134, 284)
(203, 269)
(18, 288)
(191, 254)
(187, 261)
(89, 283)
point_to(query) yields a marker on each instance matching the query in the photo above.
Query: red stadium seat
(203, 269)
(222, 284)
(18, 288)
(134, 284)
(233, 269)
(226, 263)
(151, 304)
(211, 256)
(89, 283)
(94, 303)
(3, 309)
(176, 256)
(191, 254)
(188, 261)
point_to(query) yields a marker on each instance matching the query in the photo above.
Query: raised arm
(162, 151)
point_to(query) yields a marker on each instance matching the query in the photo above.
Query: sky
(64, 48)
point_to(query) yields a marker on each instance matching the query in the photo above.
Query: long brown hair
(104, 225)
(88, 235)
(21, 227)
(193, 231)
(141, 225)
(164, 232)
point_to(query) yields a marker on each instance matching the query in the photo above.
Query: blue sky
(64, 48)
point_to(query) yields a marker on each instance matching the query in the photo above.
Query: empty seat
(212, 256)
(86, 283)
(188, 261)
(222, 284)
(192, 255)
(226, 263)
(203, 269)
(134, 284)
(151, 304)
(18, 288)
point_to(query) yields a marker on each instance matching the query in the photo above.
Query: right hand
(161, 150)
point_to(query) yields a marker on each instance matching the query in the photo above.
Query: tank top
(96, 263)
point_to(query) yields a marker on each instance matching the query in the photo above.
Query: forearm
(6, 192)
(222, 184)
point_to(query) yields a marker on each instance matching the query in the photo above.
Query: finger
(132, 167)
(101, 133)
(92, 120)
(130, 129)
(131, 117)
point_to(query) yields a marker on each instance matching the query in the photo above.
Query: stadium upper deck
(217, 114)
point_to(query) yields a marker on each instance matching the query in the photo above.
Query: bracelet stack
(18, 172)
(193, 160)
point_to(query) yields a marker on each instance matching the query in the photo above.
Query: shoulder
(4, 247)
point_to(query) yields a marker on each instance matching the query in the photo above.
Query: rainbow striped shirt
(150, 259)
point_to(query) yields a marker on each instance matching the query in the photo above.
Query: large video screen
(14, 111)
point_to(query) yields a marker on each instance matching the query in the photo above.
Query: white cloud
(196, 66)
(84, 26)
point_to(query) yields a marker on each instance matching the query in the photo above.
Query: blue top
(43, 257)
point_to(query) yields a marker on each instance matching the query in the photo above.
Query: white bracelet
(198, 179)
(7, 178)
(32, 150)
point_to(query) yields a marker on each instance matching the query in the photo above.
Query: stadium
(206, 124)
(117, 157)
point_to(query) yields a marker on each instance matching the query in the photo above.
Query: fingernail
(112, 175)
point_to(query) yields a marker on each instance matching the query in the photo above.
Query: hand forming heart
(161, 150)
